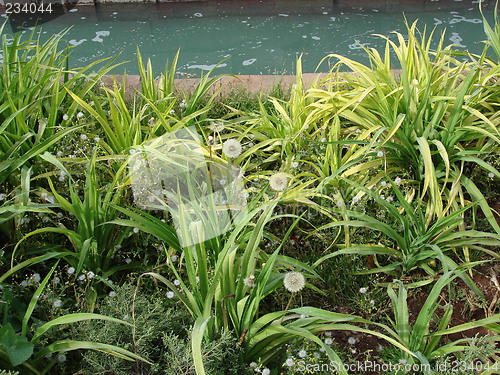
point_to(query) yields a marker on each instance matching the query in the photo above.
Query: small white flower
(351, 340)
(128, 260)
(81, 277)
(328, 333)
(302, 353)
(222, 181)
(383, 183)
(389, 199)
(398, 180)
(183, 104)
(177, 282)
(36, 277)
(112, 294)
(71, 270)
(290, 362)
(24, 283)
(316, 355)
(197, 279)
(363, 290)
(90, 275)
(216, 126)
(266, 371)
(323, 140)
(57, 303)
(295, 164)
(232, 148)
(402, 361)
(355, 199)
(61, 358)
(135, 230)
(97, 139)
(278, 181)
(253, 365)
(79, 114)
(380, 154)
(170, 294)
(491, 175)
(65, 117)
(372, 302)
(174, 258)
(56, 280)
(294, 281)
(210, 138)
(328, 341)
(303, 316)
(3, 196)
(83, 136)
(249, 281)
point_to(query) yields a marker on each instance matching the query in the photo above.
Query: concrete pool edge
(228, 84)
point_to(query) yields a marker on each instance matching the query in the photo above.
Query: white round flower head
(97, 139)
(172, 112)
(177, 282)
(24, 283)
(278, 181)
(79, 114)
(372, 302)
(351, 340)
(216, 126)
(363, 290)
(71, 270)
(81, 277)
(302, 353)
(128, 260)
(253, 364)
(170, 294)
(295, 164)
(112, 294)
(232, 148)
(383, 183)
(294, 281)
(328, 341)
(90, 275)
(380, 154)
(57, 303)
(355, 199)
(389, 199)
(328, 333)
(83, 136)
(290, 362)
(65, 117)
(316, 355)
(174, 258)
(135, 230)
(61, 358)
(36, 277)
(3, 196)
(323, 140)
(491, 175)
(183, 104)
(266, 371)
(398, 180)
(249, 281)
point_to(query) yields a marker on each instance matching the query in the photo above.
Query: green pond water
(253, 37)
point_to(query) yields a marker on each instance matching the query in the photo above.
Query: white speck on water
(73, 10)
(437, 22)
(249, 62)
(75, 42)
(325, 12)
(315, 37)
(283, 15)
(333, 18)
(115, 12)
(357, 45)
(98, 35)
(83, 18)
(244, 21)
(206, 67)
(304, 36)
(198, 15)
(456, 39)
